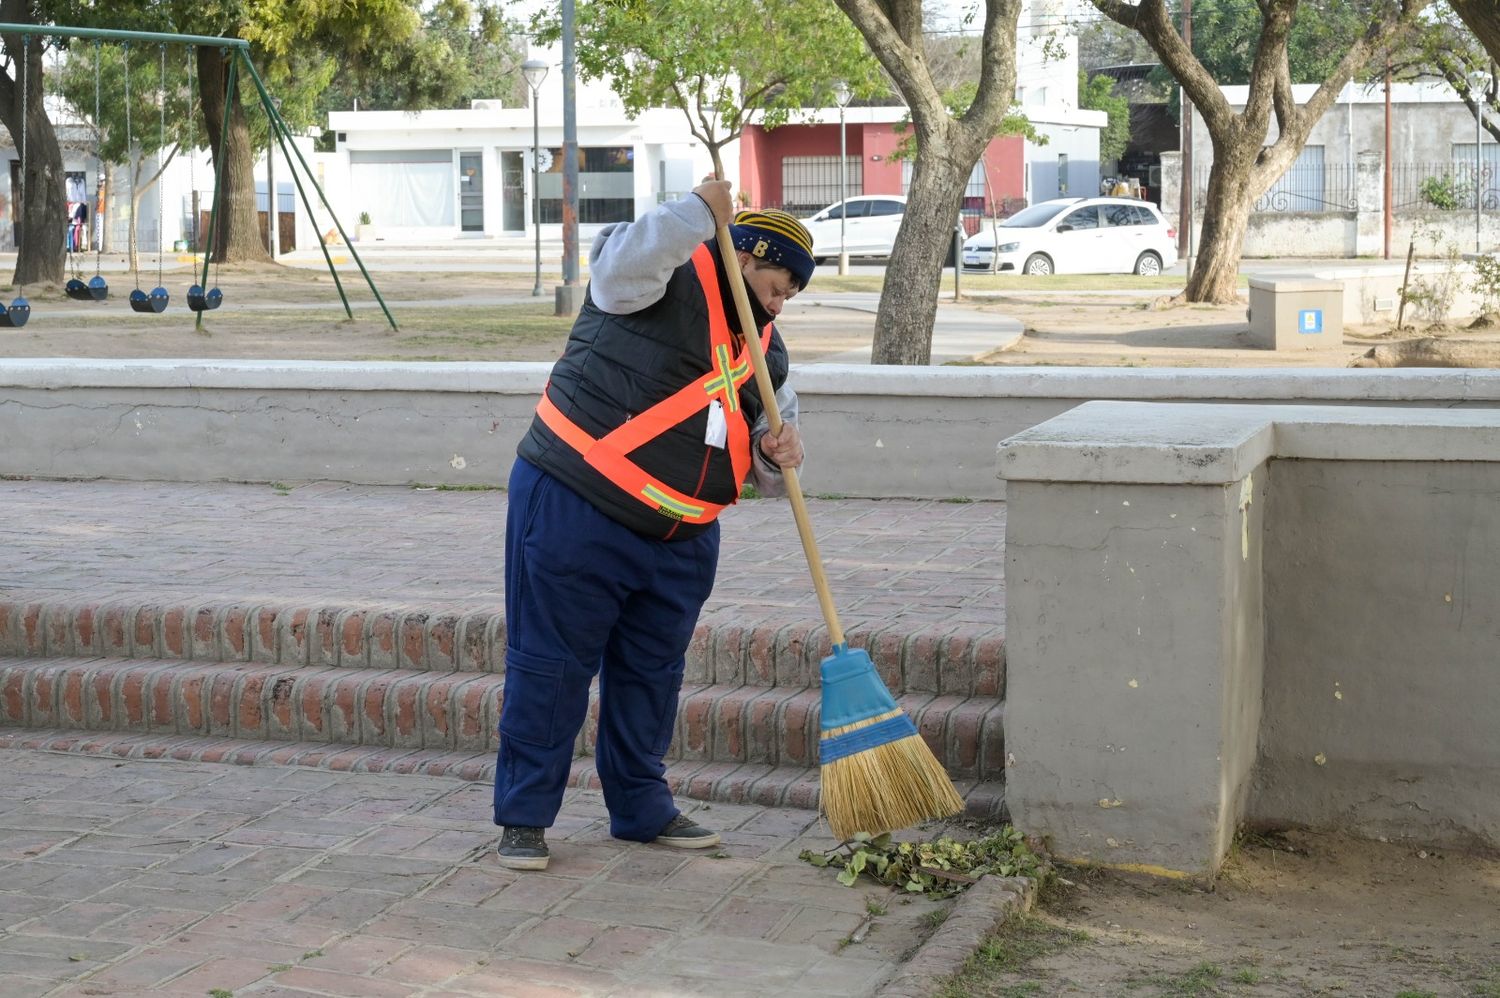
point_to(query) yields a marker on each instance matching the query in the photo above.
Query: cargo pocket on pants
(528, 712)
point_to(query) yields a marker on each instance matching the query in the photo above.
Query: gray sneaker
(683, 832)
(523, 848)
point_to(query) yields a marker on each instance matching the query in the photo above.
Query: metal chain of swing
(161, 145)
(192, 157)
(129, 149)
(70, 239)
(97, 215)
(25, 130)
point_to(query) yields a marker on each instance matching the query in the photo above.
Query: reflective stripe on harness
(728, 369)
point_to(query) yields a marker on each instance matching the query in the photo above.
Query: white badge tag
(718, 431)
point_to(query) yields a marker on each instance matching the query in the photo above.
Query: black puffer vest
(616, 366)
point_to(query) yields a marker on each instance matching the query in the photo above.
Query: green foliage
(1440, 192)
(723, 63)
(1226, 35)
(1487, 282)
(463, 52)
(937, 869)
(75, 83)
(1098, 94)
(1432, 294)
(957, 101)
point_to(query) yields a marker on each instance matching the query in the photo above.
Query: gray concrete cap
(1197, 444)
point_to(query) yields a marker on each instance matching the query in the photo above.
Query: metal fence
(1451, 185)
(1304, 187)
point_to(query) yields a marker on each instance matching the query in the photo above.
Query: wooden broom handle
(768, 400)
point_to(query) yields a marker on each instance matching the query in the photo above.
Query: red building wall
(762, 151)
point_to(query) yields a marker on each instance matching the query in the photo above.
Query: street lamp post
(535, 71)
(841, 94)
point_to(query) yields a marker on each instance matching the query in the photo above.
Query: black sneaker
(524, 848)
(683, 832)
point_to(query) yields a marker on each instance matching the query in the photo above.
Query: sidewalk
(123, 875)
(188, 879)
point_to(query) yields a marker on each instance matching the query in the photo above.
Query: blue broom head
(853, 693)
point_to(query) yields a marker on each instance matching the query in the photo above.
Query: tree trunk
(238, 237)
(1482, 18)
(1216, 270)
(948, 146)
(42, 218)
(908, 303)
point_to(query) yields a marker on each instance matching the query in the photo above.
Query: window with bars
(810, 183)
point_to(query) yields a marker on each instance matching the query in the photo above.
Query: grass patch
(425, 487)
(1006, 952)
(1069, 282)
(1202, 979)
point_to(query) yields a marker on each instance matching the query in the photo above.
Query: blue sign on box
(1310, 320)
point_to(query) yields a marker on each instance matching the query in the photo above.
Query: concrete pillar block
(1369, 193)
(1134, 633)
(1131, 730)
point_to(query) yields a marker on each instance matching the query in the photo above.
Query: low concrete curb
(976, 914)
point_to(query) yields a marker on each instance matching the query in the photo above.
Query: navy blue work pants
(585, 596)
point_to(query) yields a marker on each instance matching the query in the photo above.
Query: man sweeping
(648, 428)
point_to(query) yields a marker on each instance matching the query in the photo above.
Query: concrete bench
(1273, 615)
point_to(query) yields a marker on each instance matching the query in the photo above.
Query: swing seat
(156, 301)
(16, 314)
(200, 301)
(78, 291)
(98, 288)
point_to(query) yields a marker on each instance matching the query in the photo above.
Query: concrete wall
(1381, 692)
(1276, 615)
(872, 431)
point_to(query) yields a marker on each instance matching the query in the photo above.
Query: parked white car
(871, 222)
(1076, 236)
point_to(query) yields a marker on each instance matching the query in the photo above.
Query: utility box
(1296, 313)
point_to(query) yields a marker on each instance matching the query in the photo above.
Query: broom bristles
(889, 786)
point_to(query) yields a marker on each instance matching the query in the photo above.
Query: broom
(878, 774)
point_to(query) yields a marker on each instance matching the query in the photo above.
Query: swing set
(199, 300)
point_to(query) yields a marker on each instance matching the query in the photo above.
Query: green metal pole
(213, 213)
(59, 31)
(278, 126)
(266, 99)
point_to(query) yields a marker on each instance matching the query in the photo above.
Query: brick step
(768, 786)
(391, 708)
(779, 726)
(961, 660)
(440, 711)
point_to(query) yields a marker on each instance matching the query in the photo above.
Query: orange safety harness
(729, 368)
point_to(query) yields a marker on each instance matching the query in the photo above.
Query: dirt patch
(285, 312)
(1294, 915)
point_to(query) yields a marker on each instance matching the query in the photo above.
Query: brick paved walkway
(129, 876)
(174, 879)
(916, 563)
